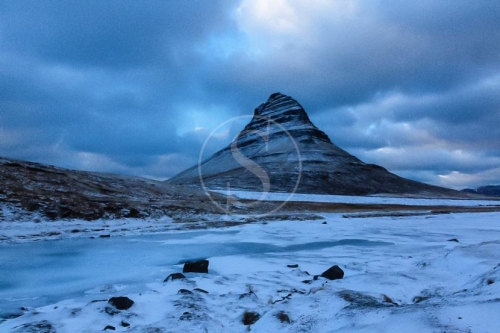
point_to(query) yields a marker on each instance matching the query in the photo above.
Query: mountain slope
(33, 190)
(488, 190)
(281, 150)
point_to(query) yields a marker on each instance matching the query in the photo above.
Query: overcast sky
(135, 87)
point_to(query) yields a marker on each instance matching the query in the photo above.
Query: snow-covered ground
(274, 196)
(435, 273)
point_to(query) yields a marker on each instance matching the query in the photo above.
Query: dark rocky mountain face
(281, 150)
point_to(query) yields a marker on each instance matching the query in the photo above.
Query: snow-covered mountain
(281, 150)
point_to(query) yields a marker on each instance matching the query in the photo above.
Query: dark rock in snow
(109, 327)
(199, 266)
(293, 266)
(200, 290)
(453, 240)
(121, 302)
(185, 292)
(186, 316)
(105, 236)
(134, 213)
(174, 276)
(333, 273)
(250, 317)
(283, 317)
(124, 324)
(37, 327)
(360, 300)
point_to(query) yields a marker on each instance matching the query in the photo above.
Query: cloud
(351, 50)
(129, 87)
(111, 34)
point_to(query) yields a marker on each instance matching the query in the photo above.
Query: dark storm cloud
(350, 60)
(136, 87)
(106, 33)
(98, 77)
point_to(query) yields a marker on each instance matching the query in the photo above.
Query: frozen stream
(39, 273)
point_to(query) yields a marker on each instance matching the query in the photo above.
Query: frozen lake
(434, 273)
(40, 273)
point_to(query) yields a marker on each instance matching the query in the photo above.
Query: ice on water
(401, 274)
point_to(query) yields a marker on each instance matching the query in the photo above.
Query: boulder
(186, 316)
(134, 213)
(200, 290)
(250, 317)
(199, 266)
(185, 292)
(174, 276)
(333, 273)
(121, 302)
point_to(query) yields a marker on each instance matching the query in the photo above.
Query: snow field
(400, 274)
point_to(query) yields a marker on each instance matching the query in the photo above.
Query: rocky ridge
(36, 191)
(281, 150)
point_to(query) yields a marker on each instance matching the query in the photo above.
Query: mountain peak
(292, 154)
(277, 101)
(277, 95)
(284, 110)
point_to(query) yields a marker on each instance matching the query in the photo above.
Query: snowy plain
(430, 273)
(350, 199)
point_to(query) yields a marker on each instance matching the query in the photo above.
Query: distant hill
(489, 190)
(36, 191)
(281, 150)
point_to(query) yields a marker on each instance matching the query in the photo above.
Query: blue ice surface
(40, 273)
